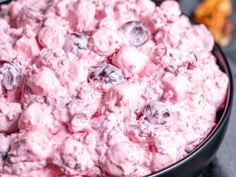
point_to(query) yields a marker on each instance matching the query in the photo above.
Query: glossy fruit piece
(106, 73)
(136, 32)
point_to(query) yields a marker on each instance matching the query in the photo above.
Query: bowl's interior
(222, 115)
(224, 66)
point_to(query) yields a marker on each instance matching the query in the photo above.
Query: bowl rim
(223, 118)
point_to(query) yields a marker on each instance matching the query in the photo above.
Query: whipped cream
(103, 88)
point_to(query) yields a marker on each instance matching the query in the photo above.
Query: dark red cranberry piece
(106, 73)
(136, 32)
(156, 112)
(76, 42)
(3, 155)
(9, 76)
(81, 40)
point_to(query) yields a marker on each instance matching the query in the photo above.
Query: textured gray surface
(224, 164)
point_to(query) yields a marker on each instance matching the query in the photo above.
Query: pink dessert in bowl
(103, 88)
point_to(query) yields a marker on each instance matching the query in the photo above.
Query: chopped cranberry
(9, 76)
(156, 112)
(136, 32)
(171, 69)
(106, 73)
(76, 42)
(3, 155)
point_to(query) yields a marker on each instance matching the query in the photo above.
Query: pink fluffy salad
(97, 88)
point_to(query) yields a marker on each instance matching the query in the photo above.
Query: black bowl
(193, 164)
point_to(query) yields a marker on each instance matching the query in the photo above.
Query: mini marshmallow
(130, 60)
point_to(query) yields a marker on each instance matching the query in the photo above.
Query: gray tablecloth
(224, 164)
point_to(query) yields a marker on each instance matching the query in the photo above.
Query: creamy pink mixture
(103, 87)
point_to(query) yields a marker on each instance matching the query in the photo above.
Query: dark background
(224, 164)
